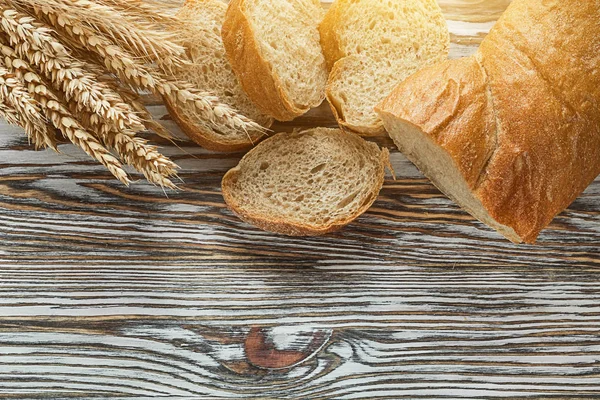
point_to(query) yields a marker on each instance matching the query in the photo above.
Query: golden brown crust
(253, 71)
(330, 41)
(448, 102)
(542, 82)
(291, 228)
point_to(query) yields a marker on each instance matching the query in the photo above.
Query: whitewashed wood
(123, 293)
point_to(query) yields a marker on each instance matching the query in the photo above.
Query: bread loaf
(274, 49)
(513, 133)
(370, 46)
(210, 71)
(307, 183)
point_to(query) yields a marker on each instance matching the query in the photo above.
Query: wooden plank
(115, 292)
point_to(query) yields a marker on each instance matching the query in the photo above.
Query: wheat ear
(63, 120)
(21, 109)
(133, 150)
(134, 100)
(218, 116)
(34, 42)
(137, 31)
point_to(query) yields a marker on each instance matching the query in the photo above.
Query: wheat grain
(21, 109)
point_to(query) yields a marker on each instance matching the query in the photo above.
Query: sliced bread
(307, 183)
(372, 45)
(274, 49)
(210, 70)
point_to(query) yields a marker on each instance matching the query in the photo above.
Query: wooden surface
(110, 292)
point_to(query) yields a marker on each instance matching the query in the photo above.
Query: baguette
(308, 183)
(210, 71)
(370, 46)
(274, 49)
(512, 134)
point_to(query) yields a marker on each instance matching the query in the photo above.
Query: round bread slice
(307, 183)
(371, 46)
(275, 51)
(210, 70)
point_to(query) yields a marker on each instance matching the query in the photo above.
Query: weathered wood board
(115, 292)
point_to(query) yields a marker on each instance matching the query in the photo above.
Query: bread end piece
(306, 184)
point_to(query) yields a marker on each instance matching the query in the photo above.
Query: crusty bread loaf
(306, 183)
(370, 46)
(274, 48)
(210, 71)
(513, 133)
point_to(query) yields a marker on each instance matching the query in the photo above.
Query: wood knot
(283, 347)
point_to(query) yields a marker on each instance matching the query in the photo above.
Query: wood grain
(125, 293)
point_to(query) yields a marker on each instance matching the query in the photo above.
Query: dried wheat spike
(19, 108)
(33, 41)
(135, 101)
(136, 29)
(62, 119)
(133, 150)
(218, 116)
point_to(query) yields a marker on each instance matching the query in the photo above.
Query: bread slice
(211, 71)
(372, 45)
(307, 183)
(274, 49)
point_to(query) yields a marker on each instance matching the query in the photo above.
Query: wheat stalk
(218, 116)
(19, 108)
